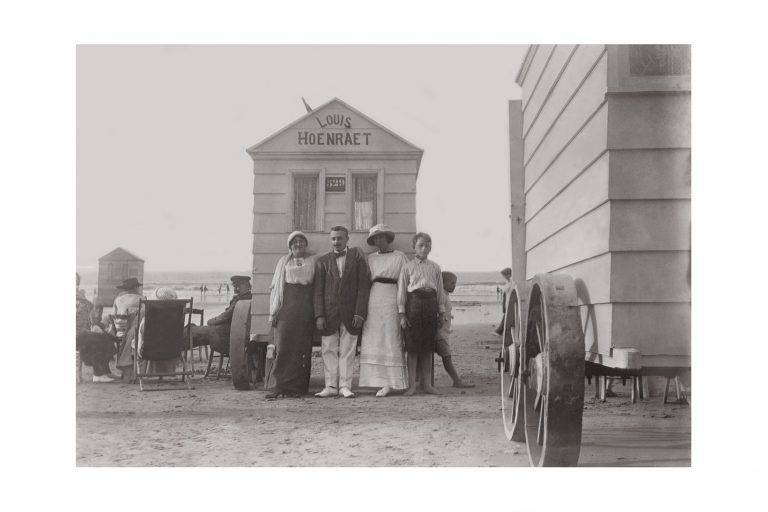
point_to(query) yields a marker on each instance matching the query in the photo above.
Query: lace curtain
(364, 202)
(305, 203)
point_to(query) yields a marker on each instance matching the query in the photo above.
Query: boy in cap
(507, 274)
(442, 345)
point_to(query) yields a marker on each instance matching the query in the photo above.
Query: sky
(162, 132)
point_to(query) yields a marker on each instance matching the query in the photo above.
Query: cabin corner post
(517, 189)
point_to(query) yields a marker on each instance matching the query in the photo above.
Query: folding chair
(201, 313)
(164, 338)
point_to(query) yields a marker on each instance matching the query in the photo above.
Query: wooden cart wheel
(553, 373)
(239, 335)
(514, 328)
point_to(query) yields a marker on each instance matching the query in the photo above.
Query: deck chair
(164, 338)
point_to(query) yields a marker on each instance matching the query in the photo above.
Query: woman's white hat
(380, 229)
(294, 235)
(165, 294)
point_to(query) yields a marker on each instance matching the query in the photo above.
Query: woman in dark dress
(292, 313)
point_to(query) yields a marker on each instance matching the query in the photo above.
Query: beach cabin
(114, 268)
(601, 190)
(333, 166)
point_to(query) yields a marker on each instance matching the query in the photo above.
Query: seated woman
(96, 348)
(166, 365)
(125, 307)
(292, 313)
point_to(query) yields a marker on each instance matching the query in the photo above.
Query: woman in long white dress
(382, 361)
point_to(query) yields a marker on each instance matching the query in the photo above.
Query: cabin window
(364, 197)
(305, 203)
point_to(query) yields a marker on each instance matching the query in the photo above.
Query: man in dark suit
(341, 286)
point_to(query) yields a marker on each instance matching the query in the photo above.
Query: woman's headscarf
(278, 280)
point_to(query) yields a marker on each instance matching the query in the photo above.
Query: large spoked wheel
(514, 328)
(553, 373)
(239, 335)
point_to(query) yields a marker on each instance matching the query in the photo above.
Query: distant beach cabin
(333, 166)
(114, 268)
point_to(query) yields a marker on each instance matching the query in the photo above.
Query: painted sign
(335, 184)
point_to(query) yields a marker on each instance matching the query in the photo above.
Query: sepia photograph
(383, 256)
(474, 255)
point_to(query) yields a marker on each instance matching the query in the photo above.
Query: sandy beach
(215, 425)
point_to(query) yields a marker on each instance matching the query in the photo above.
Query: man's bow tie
(340, 254)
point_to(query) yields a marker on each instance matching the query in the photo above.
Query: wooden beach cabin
(333, 166)
(114, 268)
(601, 191)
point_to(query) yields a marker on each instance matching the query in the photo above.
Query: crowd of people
(399, 309)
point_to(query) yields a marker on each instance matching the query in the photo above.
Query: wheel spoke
(540, 434)
(539, 337)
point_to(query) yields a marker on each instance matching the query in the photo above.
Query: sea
(477, 293)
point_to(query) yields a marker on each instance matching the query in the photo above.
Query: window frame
(351, 173)
(320, 197)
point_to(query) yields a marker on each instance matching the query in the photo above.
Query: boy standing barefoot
(442, 342)
(421, 305)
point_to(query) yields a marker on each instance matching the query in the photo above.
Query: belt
(424, 292)
(386, 280)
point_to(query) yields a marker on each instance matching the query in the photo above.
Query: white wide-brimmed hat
(294, 235)
(380, 229)
(165, 294)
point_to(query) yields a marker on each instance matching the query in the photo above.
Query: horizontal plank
(335, 219)
(400, 203)
(401, 222)
(568, 82)
(597, 325)
(650, 225)
(639, 121)
(653, 328)
(582, 195)
(270, 222)
(592, 278)
(585, 148)
(540, 58)
(271, 183)
(559, 129)
(260, 283)
(335, 202)
(650, 174)
(549, 77)
(265, 262)
(585, 238)
(397, 183)
(270, 203)
(650, 276)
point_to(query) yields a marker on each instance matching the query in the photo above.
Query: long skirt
(382, 362)
(293, 340)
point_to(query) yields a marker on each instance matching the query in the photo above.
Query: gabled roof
(409, 147)
(120, 254)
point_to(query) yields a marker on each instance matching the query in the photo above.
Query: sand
(215, 425)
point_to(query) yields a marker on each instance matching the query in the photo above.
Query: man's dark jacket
(339, 300)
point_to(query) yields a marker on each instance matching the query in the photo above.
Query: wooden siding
(647, 225)
(401, 222)
(399, 183)
(549, 77)
(400, 203)
(562, 88)
(650, 174)
(270, 183)
(562, 128)
(270, 223)
(593, 279)
(583, 195)
(541, 55)
(657, 121)
(585, 238)
(588, 145)
(270, 203)
(597, 325)
(653, 328)
(650, 276)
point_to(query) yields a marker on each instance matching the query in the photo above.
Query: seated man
(216, 333)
